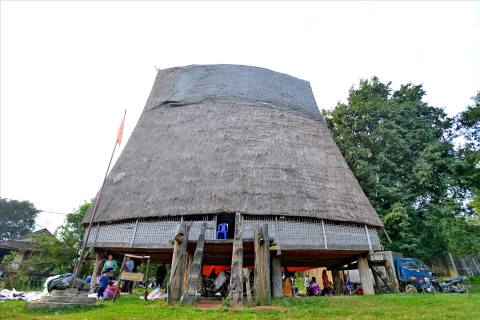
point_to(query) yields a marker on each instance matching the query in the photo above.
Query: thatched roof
(229, 138)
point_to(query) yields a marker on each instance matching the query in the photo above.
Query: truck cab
(413, 275)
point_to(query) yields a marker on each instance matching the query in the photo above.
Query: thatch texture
(227, 138)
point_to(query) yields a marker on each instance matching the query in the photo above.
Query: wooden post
(337, 282)
(276, 275)
(365, 278)
(246, 273)
(394, 287)
(263, 291)
(188, 264)
(95, 271)
(236, 278)
(377, 281)
(195, 272)
(175, 284)
(146, 279)
(118, 281)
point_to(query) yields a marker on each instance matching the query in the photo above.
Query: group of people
(313, 289)
(107, 269)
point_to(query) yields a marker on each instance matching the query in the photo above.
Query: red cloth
(120, 131)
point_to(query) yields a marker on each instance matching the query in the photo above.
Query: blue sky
(70, 69)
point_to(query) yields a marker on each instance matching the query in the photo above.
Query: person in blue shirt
(103, 284)
(129, 266)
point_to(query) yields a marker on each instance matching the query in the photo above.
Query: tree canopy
(468, 123)
(58, 255)
(17, 218)
(402, 153)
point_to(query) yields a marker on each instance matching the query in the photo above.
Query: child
(103, 284)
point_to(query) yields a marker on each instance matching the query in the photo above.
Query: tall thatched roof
(230, 138)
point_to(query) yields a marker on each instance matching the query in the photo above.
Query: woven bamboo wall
(286, 232)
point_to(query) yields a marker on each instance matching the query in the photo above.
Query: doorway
(228, 218)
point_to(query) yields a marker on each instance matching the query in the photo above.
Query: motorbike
(151, 284)
(211, 286)
(450, 285)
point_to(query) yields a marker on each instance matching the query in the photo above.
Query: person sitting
(103, 284)
(314, 288)
(307, 284)
(110, 291)
(213, 275)
(287, 287)
(110, 266)
(89, 279)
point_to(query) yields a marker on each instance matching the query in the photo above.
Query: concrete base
(63, 299)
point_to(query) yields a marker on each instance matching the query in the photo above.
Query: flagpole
(78, 265)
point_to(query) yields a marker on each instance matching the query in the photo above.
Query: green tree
(469, 121)
(59, 254)
(401, 152)
(17, 218)
(468, 124)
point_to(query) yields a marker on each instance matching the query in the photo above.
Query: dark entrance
(228, 218)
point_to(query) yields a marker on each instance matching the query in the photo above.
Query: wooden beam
(118, 282)
(276, 275)
(175, 284)
(95, 270)
(188, 264)
(189, 297)
(377, 280)
(279, 250)
(394, 286)
(246, 273)
(365, 278)
(263, 292)
(337, 282)
(236, 278)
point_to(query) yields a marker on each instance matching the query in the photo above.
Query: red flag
(120, 130)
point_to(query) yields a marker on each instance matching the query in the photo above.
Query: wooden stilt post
(246, 273)
(365, 278)
(337, 282)
(195, 272)
(118, 281)
(175, 284)
(377, 281)
(276, 275)
(188, 265)
(263, 291)
(236, 278)
(146, 279)
(394, 287)
(95, 271)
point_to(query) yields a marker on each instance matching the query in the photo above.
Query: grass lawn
(386, 306)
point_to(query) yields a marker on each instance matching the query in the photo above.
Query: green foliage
(469, 121)
(58, 255)
(17, 218)
(402, 153)
(226, 302)
(14, 278)
(19, 281)
(473, 280)
(468, 124)
(6, 263)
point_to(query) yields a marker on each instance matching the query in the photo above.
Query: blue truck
(413, 275)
